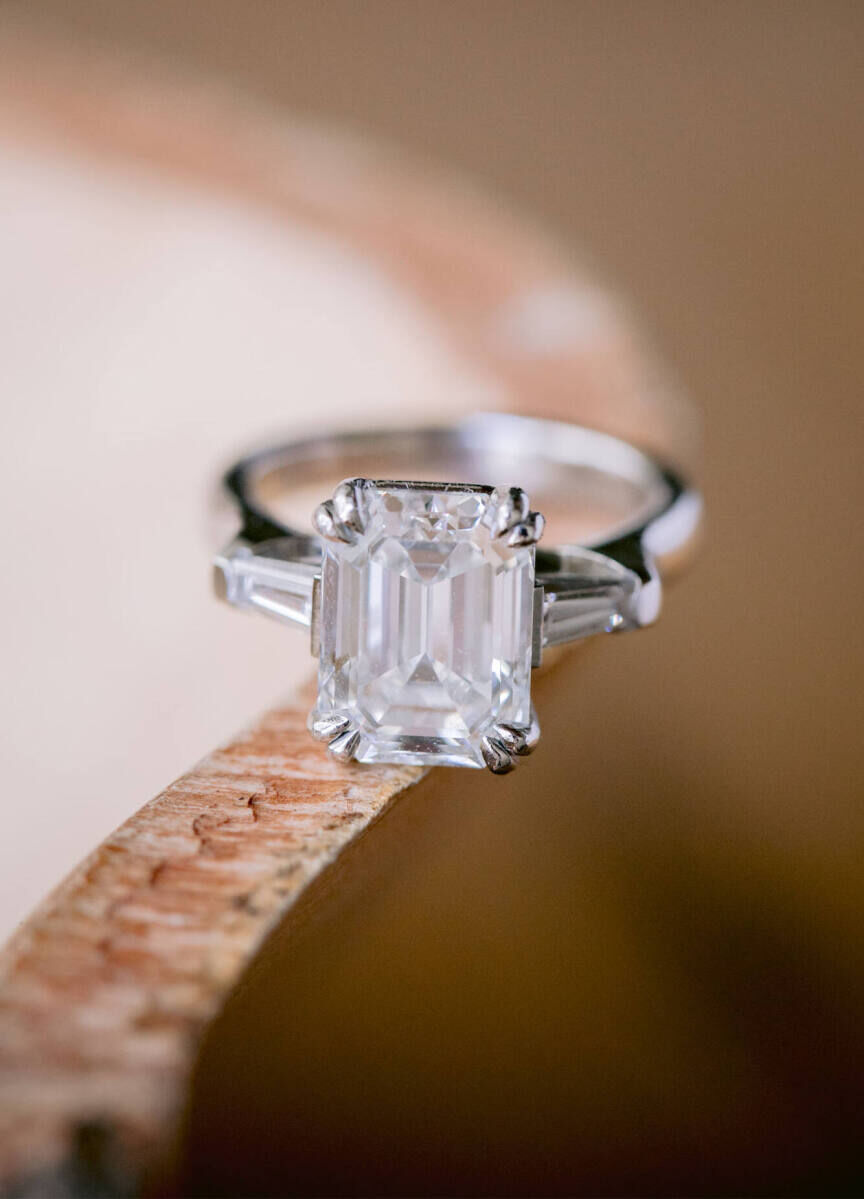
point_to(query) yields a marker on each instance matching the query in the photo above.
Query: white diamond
(426, 627)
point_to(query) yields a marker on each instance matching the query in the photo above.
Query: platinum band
(610, 583)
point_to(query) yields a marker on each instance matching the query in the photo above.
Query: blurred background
(694, 880)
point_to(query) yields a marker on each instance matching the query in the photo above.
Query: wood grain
(106, 988)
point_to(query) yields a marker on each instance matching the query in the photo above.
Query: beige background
(708, 159)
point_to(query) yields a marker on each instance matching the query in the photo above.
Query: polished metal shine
(428, 603)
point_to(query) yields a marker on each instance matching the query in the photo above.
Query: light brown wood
(107, 990)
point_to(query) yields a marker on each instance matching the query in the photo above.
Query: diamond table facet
(426, 626)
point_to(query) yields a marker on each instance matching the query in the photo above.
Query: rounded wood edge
(105, 991)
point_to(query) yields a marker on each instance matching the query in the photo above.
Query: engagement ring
(429, 603)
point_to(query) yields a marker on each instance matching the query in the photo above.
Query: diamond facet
(426, 626)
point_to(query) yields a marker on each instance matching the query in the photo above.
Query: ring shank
(620, 518)
(594, 489)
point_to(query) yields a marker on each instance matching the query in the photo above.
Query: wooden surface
(106, 991)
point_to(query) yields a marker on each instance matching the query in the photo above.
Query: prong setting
(326, 524)
(344, 747)
(512, 520)
(343, 517)
(528, 531)
(325, 728)
(337, 730)
(496, 756)
(349, 505)
(511, 508)
(508, 742)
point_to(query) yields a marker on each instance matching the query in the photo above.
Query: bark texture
(104, 992)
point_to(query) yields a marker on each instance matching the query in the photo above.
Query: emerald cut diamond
(427, 606)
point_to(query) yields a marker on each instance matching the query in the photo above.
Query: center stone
(426, 623)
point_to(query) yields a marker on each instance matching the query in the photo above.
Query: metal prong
(345, 745)
(511, 509)
(349, 504)
(325, 522)
(325, 728)
(527, 532)
(519, 739)
(512, 738)
(342, 518)
(496, 755)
